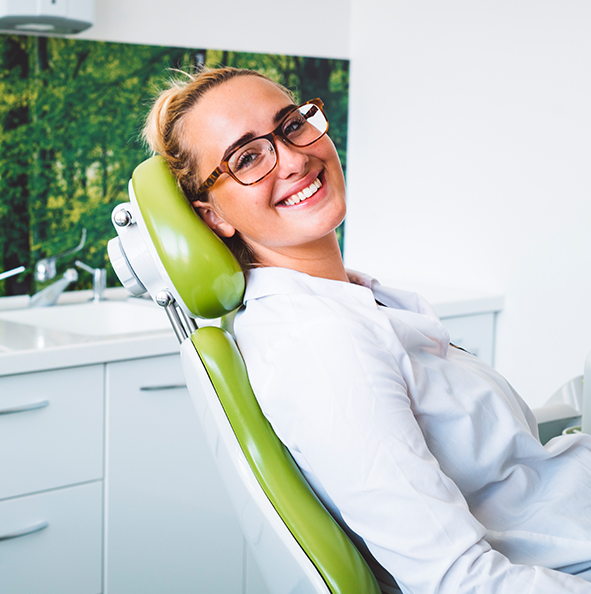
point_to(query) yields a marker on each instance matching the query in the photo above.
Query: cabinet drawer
(65, 557)
(51, 429)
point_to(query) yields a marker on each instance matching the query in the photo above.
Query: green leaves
(70, 116)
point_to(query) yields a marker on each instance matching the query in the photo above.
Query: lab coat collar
(264, 282)
(363, 289)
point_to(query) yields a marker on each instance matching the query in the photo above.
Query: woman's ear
(213, 220)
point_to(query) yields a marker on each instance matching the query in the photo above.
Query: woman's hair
(165, 133)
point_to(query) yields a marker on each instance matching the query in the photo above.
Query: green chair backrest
(338, 561)
(211, 284)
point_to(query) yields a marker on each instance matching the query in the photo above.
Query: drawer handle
(30, 530)
(166, 387)
(24, 407)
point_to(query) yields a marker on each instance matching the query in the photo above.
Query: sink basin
(102, 319)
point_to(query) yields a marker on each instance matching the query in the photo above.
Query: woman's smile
(302, 195)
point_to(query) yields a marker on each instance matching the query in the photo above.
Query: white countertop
(87, 352)
(29, 347)
(26, 348)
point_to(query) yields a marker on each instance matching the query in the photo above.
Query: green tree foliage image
(71, 112)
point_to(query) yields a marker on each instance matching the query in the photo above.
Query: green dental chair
(164, 248)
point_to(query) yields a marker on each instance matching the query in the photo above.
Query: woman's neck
(322, 258)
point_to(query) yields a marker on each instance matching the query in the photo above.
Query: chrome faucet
(45, 270)
(99, 280)
(49, 295)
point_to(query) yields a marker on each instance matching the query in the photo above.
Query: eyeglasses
(255, 159)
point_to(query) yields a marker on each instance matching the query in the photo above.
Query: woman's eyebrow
(279, 115)
(283, 112)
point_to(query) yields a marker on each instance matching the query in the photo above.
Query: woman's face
(263, 213)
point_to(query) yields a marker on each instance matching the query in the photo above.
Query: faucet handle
(13, 272)
(75, 249)
(84, 266)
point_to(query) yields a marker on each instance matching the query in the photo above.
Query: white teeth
(305, 193)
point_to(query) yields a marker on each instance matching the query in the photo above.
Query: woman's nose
(290, 159)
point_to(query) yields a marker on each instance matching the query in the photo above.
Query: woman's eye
(246, 159)
(294, 125)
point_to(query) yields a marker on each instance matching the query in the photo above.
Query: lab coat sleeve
(338, 401)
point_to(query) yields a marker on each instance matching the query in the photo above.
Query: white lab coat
(419, 448)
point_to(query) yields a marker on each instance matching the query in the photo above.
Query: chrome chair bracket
(182, 324)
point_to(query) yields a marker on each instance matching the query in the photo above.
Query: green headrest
(202, 269)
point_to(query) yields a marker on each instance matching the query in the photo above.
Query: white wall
(308, 28)
(470, 164)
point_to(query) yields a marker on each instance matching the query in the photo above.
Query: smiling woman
(276, 192)
(417, 447)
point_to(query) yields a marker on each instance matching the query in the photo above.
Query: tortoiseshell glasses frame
(255, 159)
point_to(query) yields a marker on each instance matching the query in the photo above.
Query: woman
(415, 446)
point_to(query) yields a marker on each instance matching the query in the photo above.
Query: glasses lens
(251, 162)
(305, 125)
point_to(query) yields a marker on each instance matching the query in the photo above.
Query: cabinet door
(51, 542)
(169, 523)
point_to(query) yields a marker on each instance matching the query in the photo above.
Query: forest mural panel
(71, 112)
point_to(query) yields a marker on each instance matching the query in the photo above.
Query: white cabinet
(158, 521)
(51, 466)
(170, 526)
